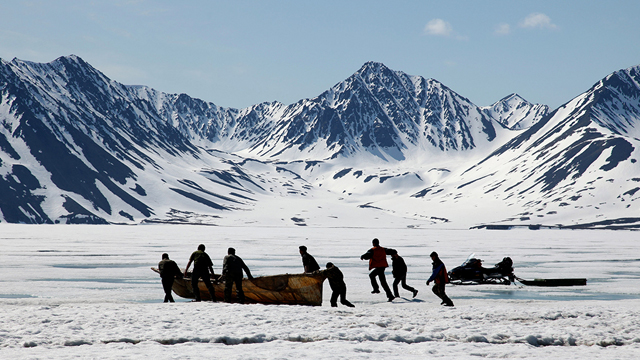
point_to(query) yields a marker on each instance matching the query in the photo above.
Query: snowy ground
(87, 291)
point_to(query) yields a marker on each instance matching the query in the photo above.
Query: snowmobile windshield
(466, 262)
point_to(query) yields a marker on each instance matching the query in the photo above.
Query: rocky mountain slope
(578, 165)
(381, 146)
(516, 113)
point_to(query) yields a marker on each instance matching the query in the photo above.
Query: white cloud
(537, 20)
(503, 29)
(438, 27)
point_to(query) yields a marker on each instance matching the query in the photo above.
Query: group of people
(377, 257)
(233, 267)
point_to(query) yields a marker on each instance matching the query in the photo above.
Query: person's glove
(427, 283)
(362, 257)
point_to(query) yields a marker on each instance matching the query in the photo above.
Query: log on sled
(285, 289)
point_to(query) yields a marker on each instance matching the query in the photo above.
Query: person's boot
(415, 292)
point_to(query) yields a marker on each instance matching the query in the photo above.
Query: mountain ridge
(78, 147)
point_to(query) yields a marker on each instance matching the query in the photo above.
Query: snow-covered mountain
(376, 110)
(516, 113)
(576, 166)
(76, 146)
(79, 147)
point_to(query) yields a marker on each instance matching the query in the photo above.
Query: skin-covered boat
(285, 289)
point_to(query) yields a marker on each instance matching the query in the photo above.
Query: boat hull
(286, 289)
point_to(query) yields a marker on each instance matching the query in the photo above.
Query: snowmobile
(471, 272)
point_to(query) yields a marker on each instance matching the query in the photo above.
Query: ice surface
(88, 292)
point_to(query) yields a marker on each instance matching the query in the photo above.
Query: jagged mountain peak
(62, 62)
(376, 74)
(71, 59)
(614, 102)
(513, 97)
(373, 67)
(516, 113)
(381, 111)
(373, 72)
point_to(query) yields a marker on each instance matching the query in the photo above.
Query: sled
(554, 282)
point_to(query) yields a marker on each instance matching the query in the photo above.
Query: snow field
(519, 329)
(88, 292)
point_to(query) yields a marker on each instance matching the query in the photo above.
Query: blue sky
(239, 53)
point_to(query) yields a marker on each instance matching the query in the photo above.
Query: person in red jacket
(440, 277)
(377, 257)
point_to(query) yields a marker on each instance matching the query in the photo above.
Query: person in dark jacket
(308, 262)
(377, 257)
(168, 272)
(440, 277)
(400, 275)
(202, 268)
(232, 268)
(339, 288)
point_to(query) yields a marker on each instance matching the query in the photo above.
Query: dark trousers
(340, 291)
(379, 272)
(206, 278)
(228, 287)
(167, 284)
(403, 279)
(438, 289)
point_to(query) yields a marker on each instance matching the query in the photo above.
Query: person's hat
(434, 254)
(329, 265)
(303, 248)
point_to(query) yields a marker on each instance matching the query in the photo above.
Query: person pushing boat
(338, 287)
(308, 262)
(168, 270)
(232, 268)
(202, 268)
